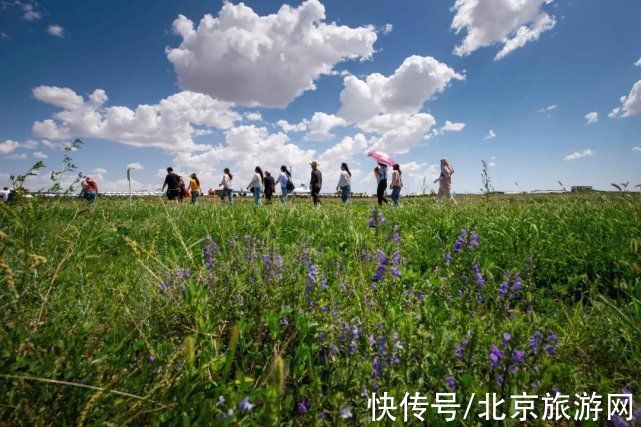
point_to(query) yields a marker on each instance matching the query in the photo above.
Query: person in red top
(89, 190)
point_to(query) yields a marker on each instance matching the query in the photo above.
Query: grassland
(143, 312)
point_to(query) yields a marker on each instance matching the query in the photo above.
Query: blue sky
(527, 72)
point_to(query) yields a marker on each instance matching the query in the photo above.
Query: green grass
(83, 316)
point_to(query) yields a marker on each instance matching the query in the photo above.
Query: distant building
(575, 188)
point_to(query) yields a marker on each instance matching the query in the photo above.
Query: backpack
(290, 184)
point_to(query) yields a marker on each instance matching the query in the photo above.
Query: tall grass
(129, 312)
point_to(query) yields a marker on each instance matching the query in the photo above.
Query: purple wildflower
(451, 383)
(245, 405)
(474, 240)
(460, 240)
(151, 358)
(550, 350)
(518, 356)
(302, 407)
(552, 338)
(506, 338)
(495, 355)
(477, 274)
(221, 401)
(503, 289)
(346, 413)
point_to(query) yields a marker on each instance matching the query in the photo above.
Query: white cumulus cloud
(135, 166)
(417, 80)
(399, 132)
(56, 30)
(242, 57)
(510, 23)
(579, 154)
(246, 147)
(253, 116)
(452, 127)
(630, 105)
(321, 124)
(9, 146)
(40, 155)
(638, 63)
(592, 117)
(289, 127)
(168, 125)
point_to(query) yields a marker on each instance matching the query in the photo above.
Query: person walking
(256, 184)
(316, 182)
(5, 194)
(172, 182)
(194, 187)
(344, 182)
(286, 183)
(270, 187)
(397, 184)
(89, 190)
(380, 172)
(183, 193)
(445, 182)
(227, 188)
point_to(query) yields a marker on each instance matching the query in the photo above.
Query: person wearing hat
(194, 187)
(89, 190)
(270, 187)
(316, 182)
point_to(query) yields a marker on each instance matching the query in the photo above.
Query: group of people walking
(263, 182)
(177, 191)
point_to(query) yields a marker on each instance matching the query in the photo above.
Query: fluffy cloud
(579, 154)
(636, 148)
(9, 146)
(321, 124)
(630, 105)
(638, 63)
(592, 117)
(246, 147)
(253, 116)
(511, 23)
(319, 127)
(419, 175)
(30, 11)
(135, 166)
(490, 135)
(168, 125)
(344, 150)
(288, 127)
(56, 30)
(400, 132)
(387, 28)
(40, 155)
(58, 96)
(269, 60)
(452, 127)
(416, 80)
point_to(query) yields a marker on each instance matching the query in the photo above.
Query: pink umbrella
(381, 157)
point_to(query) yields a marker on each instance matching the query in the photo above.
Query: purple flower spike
(245, 405)
(451, 383)
(303, 406)
(518, 356)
